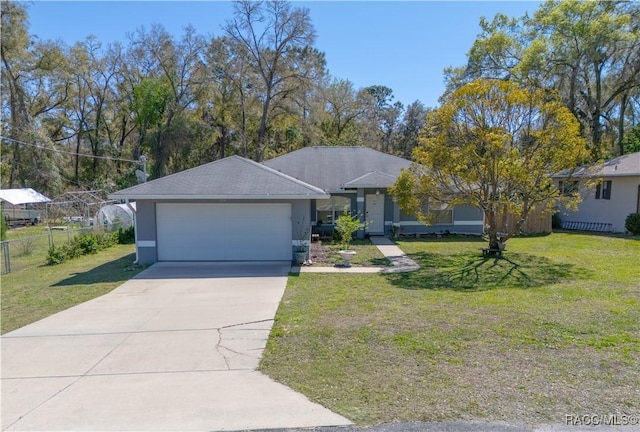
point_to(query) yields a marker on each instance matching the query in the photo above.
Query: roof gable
(231, 178)
(334, 168)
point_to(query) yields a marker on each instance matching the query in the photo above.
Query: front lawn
(552, 329)
(39, 291)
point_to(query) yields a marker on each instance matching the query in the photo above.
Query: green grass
(551, 329)
(29, 245)
(34, 293)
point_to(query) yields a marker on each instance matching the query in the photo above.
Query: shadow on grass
(622, 236)
(446, 238)
(380, 262)
(468, 272)
(113, 271)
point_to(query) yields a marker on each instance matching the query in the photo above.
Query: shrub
(56, 256)
(126, 235)
(632, 223)
(83, 244)
(105, 240)
(346, 226)
(88, 244)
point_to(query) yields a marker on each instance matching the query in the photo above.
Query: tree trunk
(623, 108)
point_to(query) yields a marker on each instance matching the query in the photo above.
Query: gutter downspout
(135, 228)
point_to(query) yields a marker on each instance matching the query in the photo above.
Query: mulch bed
(318, 253)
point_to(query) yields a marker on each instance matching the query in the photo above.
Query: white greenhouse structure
(116, 216)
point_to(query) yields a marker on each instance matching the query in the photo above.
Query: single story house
(235, 209)
(605, 205)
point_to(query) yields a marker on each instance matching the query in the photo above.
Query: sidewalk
(400, 261)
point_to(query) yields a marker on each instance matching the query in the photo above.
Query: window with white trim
(327, 211)
(438, 213)
(603, 190)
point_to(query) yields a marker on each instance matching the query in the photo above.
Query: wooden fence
(536, 223)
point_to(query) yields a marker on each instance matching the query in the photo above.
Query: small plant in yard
(56, 255)
(301, 235)
(632, 223)
(346, 226)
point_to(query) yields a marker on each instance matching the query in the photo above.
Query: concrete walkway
(400, 261)
(175, 348)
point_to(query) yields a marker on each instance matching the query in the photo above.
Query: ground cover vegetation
(38, 291)
(551, 329)
(260, 90)
(88, 243)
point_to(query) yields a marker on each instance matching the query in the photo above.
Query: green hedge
(88, 243)
(632, 223)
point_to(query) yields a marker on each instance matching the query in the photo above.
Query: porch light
(377, 191)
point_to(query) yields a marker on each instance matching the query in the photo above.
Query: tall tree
(271, 33)
(28, 95)
(382, 117)
(588, 51)
(179, 64)
(414, 120)
(344, 106)
(492, 144)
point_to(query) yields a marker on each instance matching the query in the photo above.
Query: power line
(68, 152)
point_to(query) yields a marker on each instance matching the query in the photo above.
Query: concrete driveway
(175, 348)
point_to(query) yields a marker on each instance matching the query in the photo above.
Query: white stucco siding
(624, 200)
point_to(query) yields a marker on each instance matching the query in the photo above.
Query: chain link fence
(31, 251)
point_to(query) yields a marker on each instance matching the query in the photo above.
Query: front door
(374, 205)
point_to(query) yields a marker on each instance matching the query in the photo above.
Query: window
(438, 213)
(603, 190)
(568, 187)
(327, 211)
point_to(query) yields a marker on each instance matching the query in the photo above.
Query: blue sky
(402, 45)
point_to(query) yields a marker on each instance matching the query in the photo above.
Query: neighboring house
(236, 209)
(614, 195)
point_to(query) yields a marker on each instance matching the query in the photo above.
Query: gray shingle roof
(372, 180)
(332, 168)
(621, 166)
(230, 178)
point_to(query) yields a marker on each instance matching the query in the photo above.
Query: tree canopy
(80, 116)
(493, 144)
(588, 52)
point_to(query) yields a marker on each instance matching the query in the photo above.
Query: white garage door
(223, 232)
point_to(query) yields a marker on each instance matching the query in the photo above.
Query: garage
(232, 209)
(223, 231)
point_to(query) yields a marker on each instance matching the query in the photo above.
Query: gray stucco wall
(466, 220)
(146, 241)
